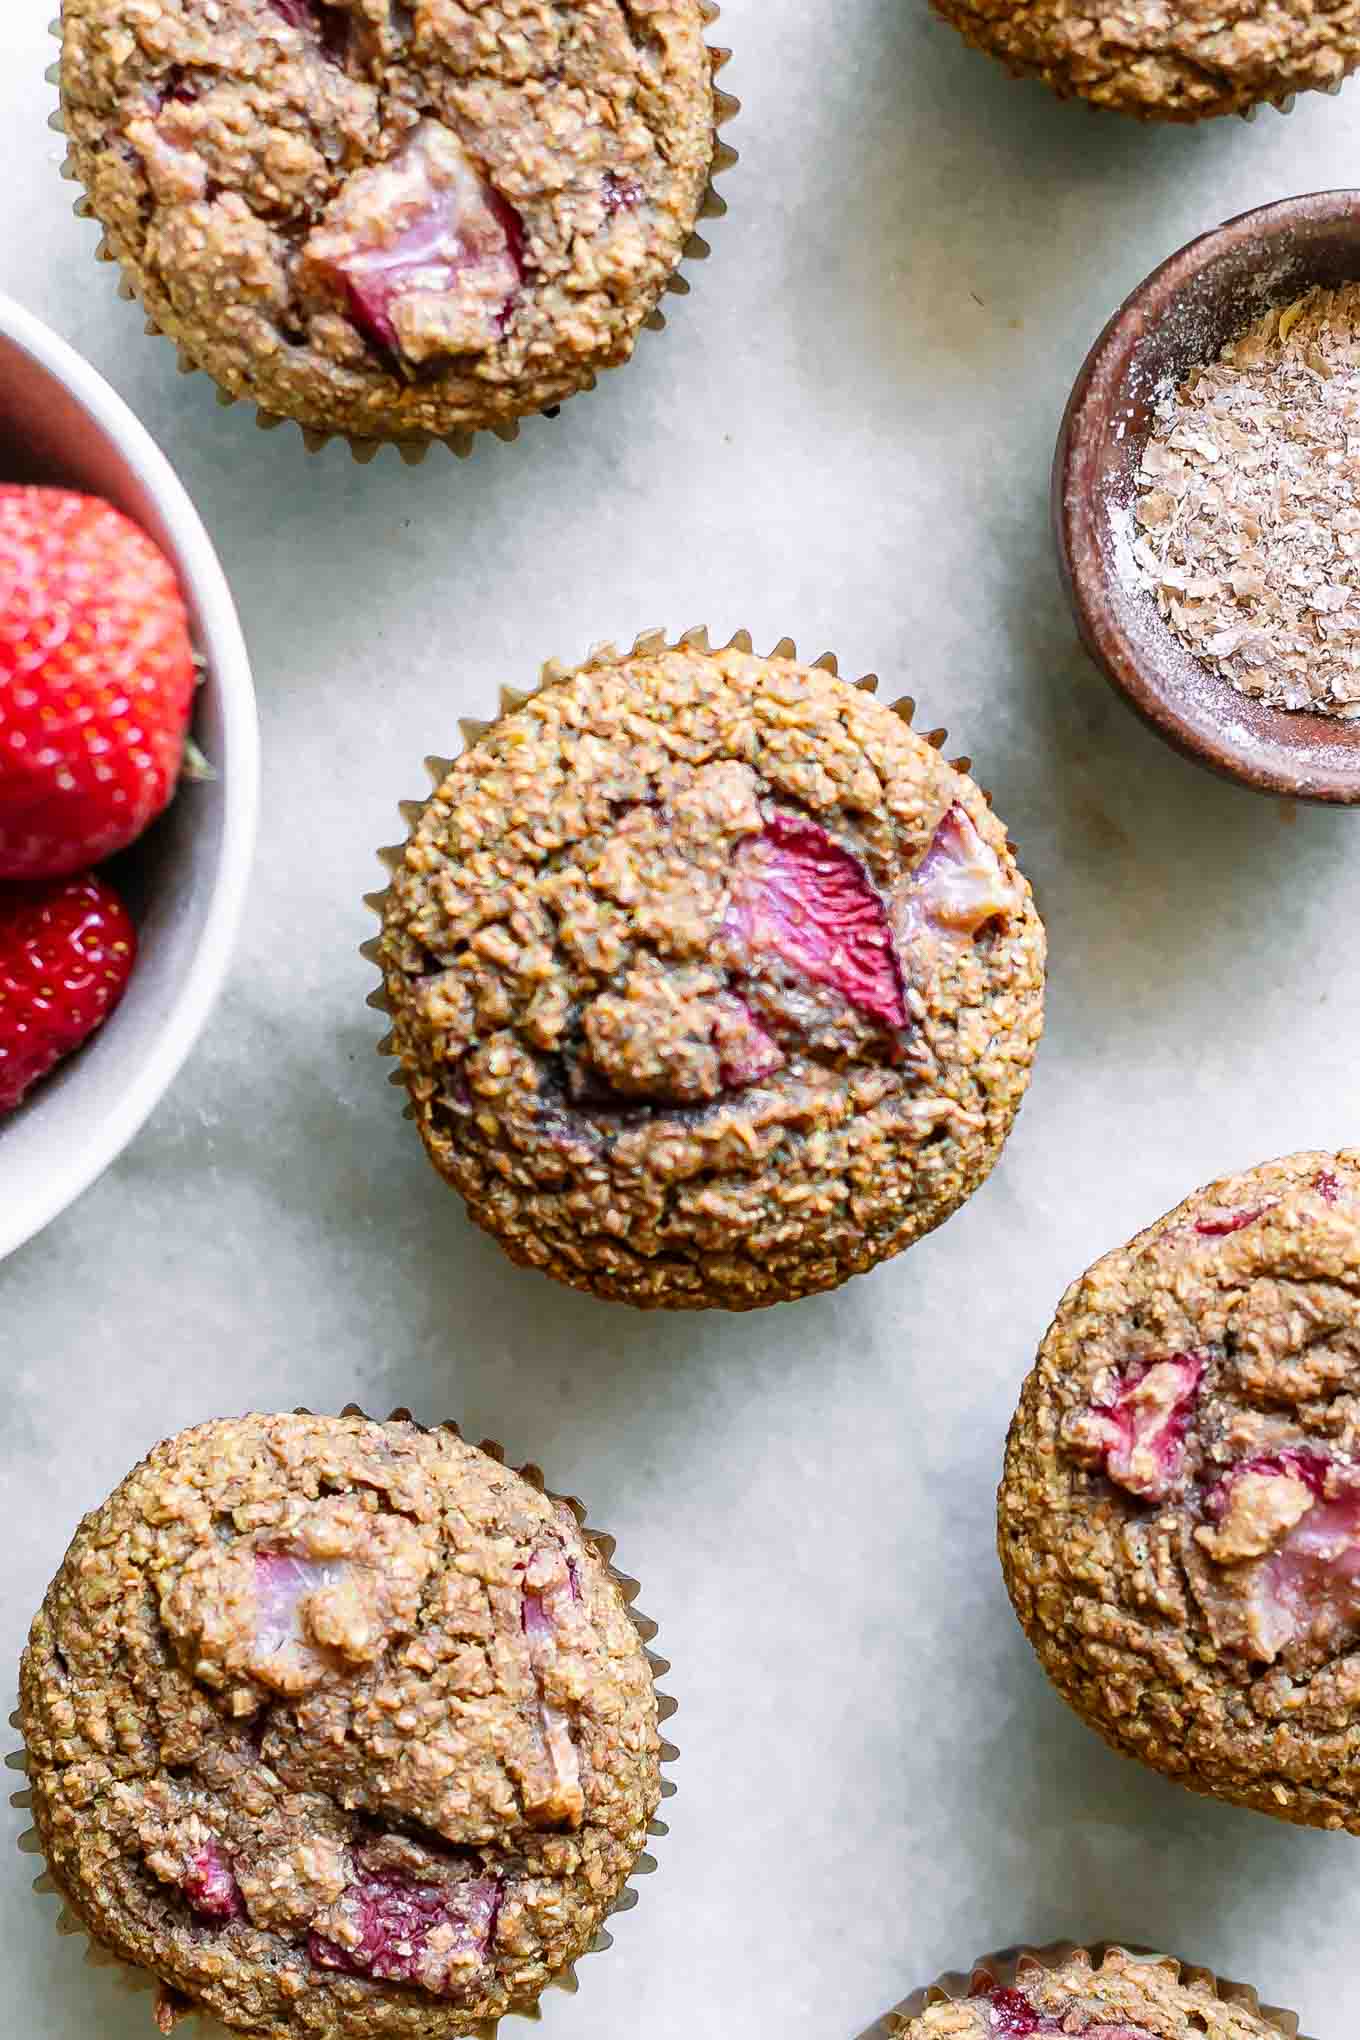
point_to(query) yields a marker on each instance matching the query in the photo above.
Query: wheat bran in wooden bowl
(1207, 295)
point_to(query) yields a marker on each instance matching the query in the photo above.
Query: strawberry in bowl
(121, 884)
(97, 682)
(67, 948)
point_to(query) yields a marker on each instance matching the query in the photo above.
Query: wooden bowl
(1180, 316)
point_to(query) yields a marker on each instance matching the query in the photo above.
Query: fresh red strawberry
(66, 953)
(96, 681)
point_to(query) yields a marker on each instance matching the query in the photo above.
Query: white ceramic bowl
(186, 880)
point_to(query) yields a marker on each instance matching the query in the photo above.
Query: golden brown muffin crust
(1123, 1997)
(1177, 62)
(339, 1728)
(394, 220)
(713, 984)
(1180, 1512)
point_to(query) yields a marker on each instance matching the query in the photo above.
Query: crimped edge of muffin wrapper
(134, 1978)
(1007, 1967)
(712, 206)
(1291, 99)
(647, 644)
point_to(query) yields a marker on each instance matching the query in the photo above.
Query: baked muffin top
(394, 218)
(339, 1727)
(712, 982)
(1180, 1513)
(1181, 62)
(1125, 1998)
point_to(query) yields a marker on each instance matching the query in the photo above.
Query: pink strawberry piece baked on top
(712, 982)
(1180, 1514)
(395, 221)
(338, 1727)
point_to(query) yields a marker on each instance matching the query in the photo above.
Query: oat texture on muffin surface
(394, 221)
(1107, 1994)
(712, 982)
(338, 1728)
(1182, 62)
(1180, 1510)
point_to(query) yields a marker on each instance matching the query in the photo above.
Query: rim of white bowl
(224, 648)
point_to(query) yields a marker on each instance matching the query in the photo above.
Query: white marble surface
(845, 434)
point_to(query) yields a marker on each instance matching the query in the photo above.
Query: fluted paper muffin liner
(713, 206)
(647, 644)
(1008, 1966)
(1291, 99)
(170, 2007)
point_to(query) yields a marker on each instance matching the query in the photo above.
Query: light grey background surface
(844, 434)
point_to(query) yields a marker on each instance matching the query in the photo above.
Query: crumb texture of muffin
(1179, 1518)
(395, 219)
(1178, 63)
(712, 982)
(1120, 1997)
(338, 1728)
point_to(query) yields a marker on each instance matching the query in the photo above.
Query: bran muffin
(339, 1728)
(712, 982)
(1179, 1519)
(1104, 1994)
(394, 219)
(1182, 63)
